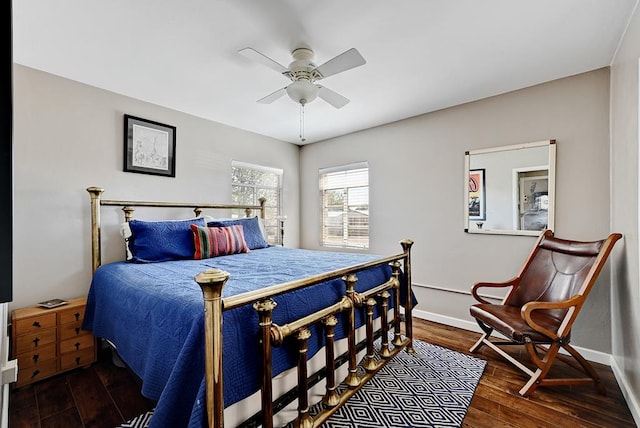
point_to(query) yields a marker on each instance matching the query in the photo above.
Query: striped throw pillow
(218, 241)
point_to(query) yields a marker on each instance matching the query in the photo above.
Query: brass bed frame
(212, 282)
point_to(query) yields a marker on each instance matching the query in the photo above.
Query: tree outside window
(249, 183)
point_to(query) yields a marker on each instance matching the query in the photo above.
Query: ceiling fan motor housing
(302, 90)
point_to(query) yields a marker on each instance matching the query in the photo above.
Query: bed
(218, 340)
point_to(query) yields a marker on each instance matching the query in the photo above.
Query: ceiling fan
(304, 74)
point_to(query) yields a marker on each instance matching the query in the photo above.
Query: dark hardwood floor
(101, 395)
(104, 395)
(496, 402)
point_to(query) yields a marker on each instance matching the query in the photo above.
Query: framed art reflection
(477, 197)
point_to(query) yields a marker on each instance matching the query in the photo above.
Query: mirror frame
(552, 187)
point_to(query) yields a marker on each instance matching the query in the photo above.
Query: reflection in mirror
(510, 189)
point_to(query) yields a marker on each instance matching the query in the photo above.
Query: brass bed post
(211, 282)
(128, 213)
(385, 352)
(304, 420)
(265, 309)
(370, 362)
(95, 193)
(263, 202)
(408, 304)
(397, 335)
(352, 379)
(331, 397)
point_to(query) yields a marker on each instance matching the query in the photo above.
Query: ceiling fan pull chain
(302, 123)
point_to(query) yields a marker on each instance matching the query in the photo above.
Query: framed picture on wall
(149, 147)
(477, 209)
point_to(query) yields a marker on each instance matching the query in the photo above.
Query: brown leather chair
(544, 301)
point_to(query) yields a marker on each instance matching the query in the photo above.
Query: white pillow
(125, 231)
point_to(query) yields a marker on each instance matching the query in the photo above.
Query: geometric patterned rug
(141, 421)
(431, 388)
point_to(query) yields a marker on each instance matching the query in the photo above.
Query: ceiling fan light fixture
(302, 91)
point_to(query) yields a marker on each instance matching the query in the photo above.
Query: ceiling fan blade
(273, 96)
(254, 55)
(343, 62)
(333, 98)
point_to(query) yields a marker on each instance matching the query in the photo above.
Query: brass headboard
(128, 208)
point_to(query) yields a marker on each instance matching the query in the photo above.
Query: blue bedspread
(154, 314)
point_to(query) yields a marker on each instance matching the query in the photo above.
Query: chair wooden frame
(542, 344)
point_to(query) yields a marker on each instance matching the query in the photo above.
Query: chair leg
(487, 332)
(544, 365)
(588, 368)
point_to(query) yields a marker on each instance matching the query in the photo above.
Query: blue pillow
(161, 241)
(252, 231)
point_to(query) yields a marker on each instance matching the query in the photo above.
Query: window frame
(271, 224)
(349, 222)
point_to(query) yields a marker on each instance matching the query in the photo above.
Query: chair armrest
(528, 308)
(513, 282)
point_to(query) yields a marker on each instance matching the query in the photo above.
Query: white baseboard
(629, 397)
(589, 354)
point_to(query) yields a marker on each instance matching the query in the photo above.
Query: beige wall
(417, 190)
(68, 136)
(625, 300)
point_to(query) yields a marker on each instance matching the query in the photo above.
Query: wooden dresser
(50, 341)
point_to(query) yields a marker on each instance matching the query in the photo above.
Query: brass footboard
(212, 282)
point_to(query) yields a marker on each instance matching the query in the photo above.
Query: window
(344, 192)
(249, 183)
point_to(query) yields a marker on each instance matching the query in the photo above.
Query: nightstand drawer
(72, 315)
(34, 324)
(77, 359)
(32, 341)
(31, 359)
(71, 330)
(39, 371)
(77, 343)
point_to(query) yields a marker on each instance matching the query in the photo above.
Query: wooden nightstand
(50, 341)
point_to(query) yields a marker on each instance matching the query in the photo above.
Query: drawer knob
(36, 324)
(77, 345)
(35, 373)
(35, 341)
(77, 315)
(77, 331)
(35, 357)
(77, 361)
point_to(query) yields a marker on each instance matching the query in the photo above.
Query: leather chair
(541, 306)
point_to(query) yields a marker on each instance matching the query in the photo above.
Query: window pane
(243, 195)
(345, 208)
(268, 179)
(359, 197)
(248, 185)
(271, 195)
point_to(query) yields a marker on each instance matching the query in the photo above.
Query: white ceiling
(422, 55)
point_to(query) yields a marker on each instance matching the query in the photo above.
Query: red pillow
(218, 241)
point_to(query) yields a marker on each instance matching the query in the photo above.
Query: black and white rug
(431, 388)
(141, 421)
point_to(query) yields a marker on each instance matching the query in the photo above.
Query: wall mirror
(510, 190)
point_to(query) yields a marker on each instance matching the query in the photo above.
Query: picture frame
(477, 196)
(149, 147)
